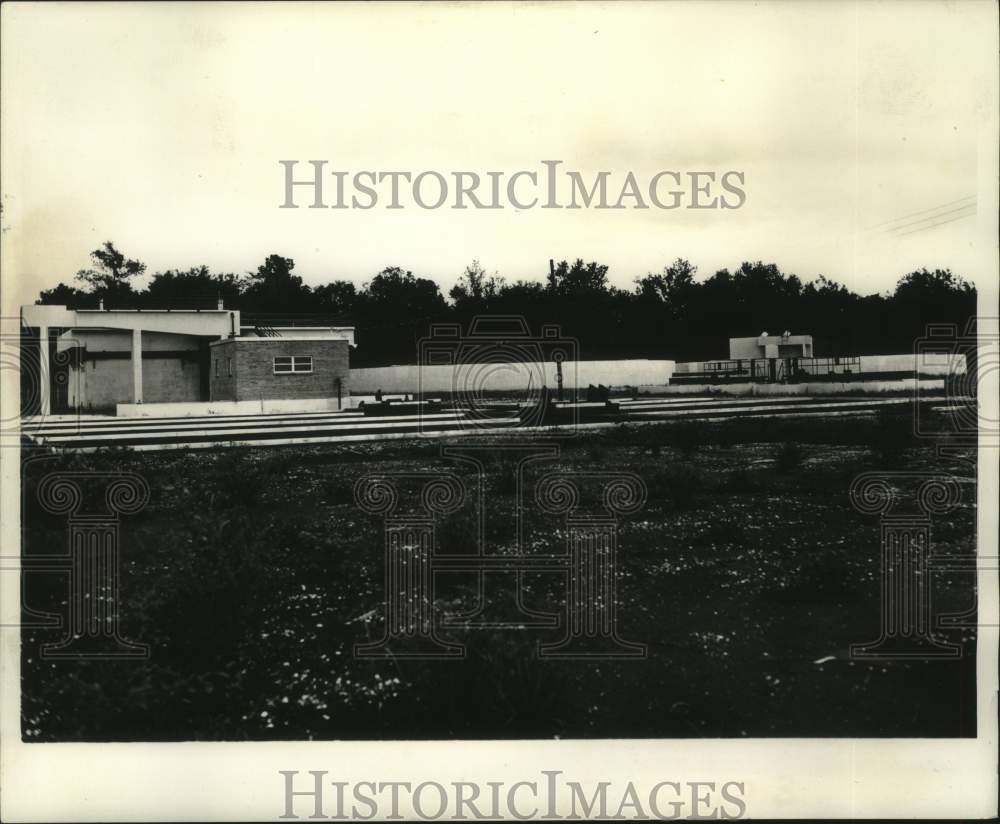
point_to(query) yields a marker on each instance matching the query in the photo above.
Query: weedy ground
(252, 574)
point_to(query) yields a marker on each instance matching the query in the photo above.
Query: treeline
(668, 314)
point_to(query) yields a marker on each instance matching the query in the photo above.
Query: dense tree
(335, 298)
(273, 289)
(110, 278)
(673, 287)
(579, 278)
(923, 284)
(475, 286)
(922, 298)
(393, 311)
(64, 295)
(399, 290)
(668, 314)
(195, 288)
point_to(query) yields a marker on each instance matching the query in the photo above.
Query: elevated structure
(771, 346)
(95, 359)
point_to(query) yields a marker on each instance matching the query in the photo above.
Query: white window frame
(292, 365)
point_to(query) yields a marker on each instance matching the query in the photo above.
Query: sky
(160, 127)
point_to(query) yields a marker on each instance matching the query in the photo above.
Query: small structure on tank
(764, 345)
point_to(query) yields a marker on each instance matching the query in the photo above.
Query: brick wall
(253, 375)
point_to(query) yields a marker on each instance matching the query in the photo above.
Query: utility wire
(920, 212)
(933, 217)
(934, 225)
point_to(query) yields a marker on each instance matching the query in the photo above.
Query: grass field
(252, 573)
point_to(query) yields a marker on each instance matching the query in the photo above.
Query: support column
(136, 366)
(44, 382)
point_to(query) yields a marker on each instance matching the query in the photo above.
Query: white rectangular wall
(510, 377)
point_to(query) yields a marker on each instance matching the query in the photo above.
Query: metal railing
(774, 370)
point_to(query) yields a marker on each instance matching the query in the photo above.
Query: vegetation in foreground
(252, 574)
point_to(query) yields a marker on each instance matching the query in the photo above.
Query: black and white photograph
(496, 411)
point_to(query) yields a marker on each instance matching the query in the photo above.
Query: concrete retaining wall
(169, 380)
(258, 407)
(98, 385)
(473, 378)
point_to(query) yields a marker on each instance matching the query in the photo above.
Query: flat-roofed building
(302, 365)
(92, 360)
(771, 346)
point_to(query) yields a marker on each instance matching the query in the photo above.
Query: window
(216, 367)
(229, 366)
(286, 364)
